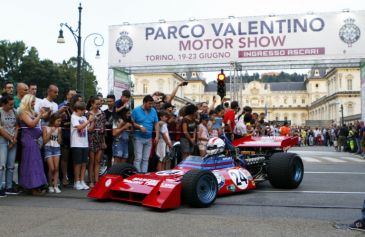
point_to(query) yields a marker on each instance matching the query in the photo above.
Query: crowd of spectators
(57, 145)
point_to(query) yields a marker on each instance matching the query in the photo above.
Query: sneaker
(84, 185)
(78, 186)
(50, 189)
(57, 189)
(358, 225)
(11, 191)
(2, 193)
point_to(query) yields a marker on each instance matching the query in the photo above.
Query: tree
(20, 64)
(11, 57)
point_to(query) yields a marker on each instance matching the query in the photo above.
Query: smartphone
(185, 83)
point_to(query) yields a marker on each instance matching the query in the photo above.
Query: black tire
(199, 188)
(123, 169)
(285, 170)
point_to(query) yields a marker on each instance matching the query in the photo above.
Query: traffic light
(221, 85)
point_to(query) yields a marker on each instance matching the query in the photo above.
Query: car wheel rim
(298, 172)
(206, 190)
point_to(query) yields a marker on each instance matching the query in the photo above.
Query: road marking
(330, 159)
(310, 159)
(355, 159)
(315, 192)
(325, 172)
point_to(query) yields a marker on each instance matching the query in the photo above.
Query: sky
(37, 22)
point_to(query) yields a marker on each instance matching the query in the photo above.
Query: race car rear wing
(282, 142)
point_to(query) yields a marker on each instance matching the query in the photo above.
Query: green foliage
(20, 64)
(281, 77)
(11, 56)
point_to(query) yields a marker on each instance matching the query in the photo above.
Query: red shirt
(229, 116)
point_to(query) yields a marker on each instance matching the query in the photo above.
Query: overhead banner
(323, 36)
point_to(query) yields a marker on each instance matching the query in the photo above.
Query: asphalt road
(332, 191)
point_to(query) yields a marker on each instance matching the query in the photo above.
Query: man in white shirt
(48, 103)
(33, 90)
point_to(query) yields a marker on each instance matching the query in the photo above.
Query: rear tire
(285, 170)
(123, 169)
(199, 188)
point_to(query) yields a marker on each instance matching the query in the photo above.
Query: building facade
(342, 98)
(318, 97)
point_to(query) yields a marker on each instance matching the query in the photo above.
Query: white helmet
(215, 146)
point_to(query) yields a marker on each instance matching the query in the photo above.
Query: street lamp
(77, 36)
(98, 42)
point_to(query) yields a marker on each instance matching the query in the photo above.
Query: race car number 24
(239, 178)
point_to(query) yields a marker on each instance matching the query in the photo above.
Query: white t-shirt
(45, 103)
(38, 103)
(78, 138)
(53, 141)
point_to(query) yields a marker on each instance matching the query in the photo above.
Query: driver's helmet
(215, 146)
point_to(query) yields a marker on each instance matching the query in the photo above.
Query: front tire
(123, 169)
(199, 188)
(285, 170)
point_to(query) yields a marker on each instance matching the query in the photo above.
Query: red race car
(196, 181)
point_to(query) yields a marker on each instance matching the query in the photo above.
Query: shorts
(80, 155)
(120, 148)
(186, 146)
(50, 151)
(162, 150)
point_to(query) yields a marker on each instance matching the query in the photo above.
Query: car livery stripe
(205, 167)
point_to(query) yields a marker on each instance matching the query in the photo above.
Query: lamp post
(98, 41)
(77, 36)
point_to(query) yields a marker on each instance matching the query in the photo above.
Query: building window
(145, 88)
(193, 74)
(316, 85)
(285, 100)
(350, 109)
(294, 101)
(303, 101)
(316, 73)
(349, 84)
